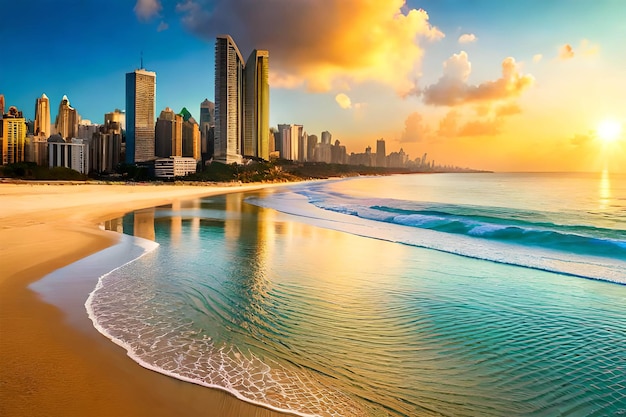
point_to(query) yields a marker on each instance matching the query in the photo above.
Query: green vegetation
(32, 171)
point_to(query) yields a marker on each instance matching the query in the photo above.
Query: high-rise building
(67, 120)
(190, 136)
(116, 116)
(289, 138)
(42, 117)
(257, 105)
(1, 105)
(140, 111)
(326, 137)
(229, 67)
(13, 136)
(381, 153)
(168, 134)
(207, 121)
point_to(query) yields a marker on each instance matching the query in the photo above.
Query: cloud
(162, 26)
(448, 125)
(343, 101)
(414, 128)
(537, 57)
(566, 52)
(147, 9)
(452, 88)
(322, 44)
(508, 110)
(467, 38)
(481, 128)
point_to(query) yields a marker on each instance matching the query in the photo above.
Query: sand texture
(49, 367)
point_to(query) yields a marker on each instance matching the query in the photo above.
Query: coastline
(49, 367)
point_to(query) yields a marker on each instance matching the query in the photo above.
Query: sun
(609, 131)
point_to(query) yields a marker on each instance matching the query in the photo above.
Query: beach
(49, 367)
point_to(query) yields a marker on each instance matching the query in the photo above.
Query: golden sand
(51, 368)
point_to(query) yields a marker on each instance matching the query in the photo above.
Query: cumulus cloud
(414, 128)
(321, 44)
(537, 57)
(467, 38)
(566, 52)
(147, 9)
(509, 109)
(162, 26)
(452, 88)
(343, 101)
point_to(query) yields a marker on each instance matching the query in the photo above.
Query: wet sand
(49, 367)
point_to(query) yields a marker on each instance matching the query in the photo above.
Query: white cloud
(467, 38)
(343, 101)
(162, 26)
(537, 57)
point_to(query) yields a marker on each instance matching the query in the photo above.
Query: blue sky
(383, 77)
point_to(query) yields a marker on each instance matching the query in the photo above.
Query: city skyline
(482, 85)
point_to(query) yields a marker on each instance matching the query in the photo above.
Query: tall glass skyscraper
(140, 110)
(228, 100)
(257, 105)
(241, 103)
(67, 120)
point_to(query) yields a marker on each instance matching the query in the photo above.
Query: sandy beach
(51, 368)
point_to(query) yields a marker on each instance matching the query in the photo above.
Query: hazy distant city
(232, 130)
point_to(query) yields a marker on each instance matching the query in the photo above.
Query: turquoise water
(342, 298)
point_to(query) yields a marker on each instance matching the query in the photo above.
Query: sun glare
(609, 131)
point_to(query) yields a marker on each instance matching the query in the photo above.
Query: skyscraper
(140, 109)
(257, 105)
(168, 134)
(381, 153)
(228, 100)
(207, 121)
(42, 117)
(66, 123)
(1, 105)
(13, 136)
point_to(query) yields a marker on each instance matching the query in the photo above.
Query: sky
(529, 85)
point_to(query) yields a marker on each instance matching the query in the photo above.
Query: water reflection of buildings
(143, 223)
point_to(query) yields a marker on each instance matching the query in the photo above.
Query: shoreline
(50, 367)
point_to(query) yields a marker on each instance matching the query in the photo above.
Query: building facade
(42, 117)
(381, 153)
(140, 112)
(229, 103)
(66, 123)
(13, 136)
(257, 105)
(174, 166)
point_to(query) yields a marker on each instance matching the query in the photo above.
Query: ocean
(408, 295)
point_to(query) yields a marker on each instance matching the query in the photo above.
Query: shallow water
(281, 310)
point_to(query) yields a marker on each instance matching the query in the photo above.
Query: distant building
(66, 123)
(42, 117)
(116, 116)
(323, 152)
(1, 105)
(257, 105)
(397, 159)
(174, 166)
(289, 140)
(13, 136)
(140, 112)
(73, 155)
(326, 137)
(106, 145)
(311, 142)
(381, 153)
(366, 158)
(191, 138)
(86, 129)
(338, 153)
(207, 121)
(168, 134)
